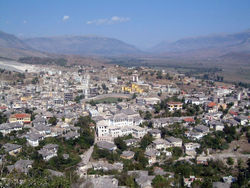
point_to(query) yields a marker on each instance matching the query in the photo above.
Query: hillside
(11, 41)
(14, 48)
(206, 46)
(82, 45)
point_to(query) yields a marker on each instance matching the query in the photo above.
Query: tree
(196, 184)
(230, 161)
(53, 120)
(106, 154)
(35, 80)
(177, 152)
(3, 118)
(159, 75)
(145, 141)
(104, 87)
(87, 136)
(134, 96)
(120, 143)
(177, 113)
(160, 182)
(126, 180)
(140, 157)
(148, 115)
(79, 98)
(92, 103)
(157, 108)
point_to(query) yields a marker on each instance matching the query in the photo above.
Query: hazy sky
(140, 22)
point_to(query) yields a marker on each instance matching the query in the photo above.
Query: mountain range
(13, 47)
(206, 46)
(194, 47)
(81, 45)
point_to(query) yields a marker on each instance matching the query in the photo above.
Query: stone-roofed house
(39, 121)
(231, 122)
(160, 122)
(34, 138)
(156, 133)
(194, 135)
(42, 129)
(160, 144)
(7, 128)
(190, 148)
(127, 154)
(12, 149)
(65, 156)
(176, 142)
(159, 171)
(229, 179)
(217, 125)
(131, 142)
(220, 185)
(55, 173)
(105, 166)
(48, 115)
(106, 145)
(142, 178)
(100, 182)
(243, 120)
(139, 132)
(69, 117)
(71, 135)
(203, 159)
(201, 128)
(151, 154)
(130, 112)
(22, 166)
(48, 151)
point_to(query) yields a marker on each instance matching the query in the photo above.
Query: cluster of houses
(63, 96)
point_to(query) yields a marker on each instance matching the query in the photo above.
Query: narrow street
(85, 164)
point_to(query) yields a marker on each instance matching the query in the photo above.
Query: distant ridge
(82, 45)
(212, 46)
(206, 46)
(12, 47)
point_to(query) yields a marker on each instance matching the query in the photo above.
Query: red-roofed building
(212, 107)
(233, 113)
(21, 118)
(189, 120)
(2, 108)
(211, 104)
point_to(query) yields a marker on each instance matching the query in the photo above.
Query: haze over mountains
(81, 45)
(206, 46)
(12, 47)
(196, 47)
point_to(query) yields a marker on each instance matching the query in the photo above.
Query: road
(86, 156)
(233, 155)
(84, 165)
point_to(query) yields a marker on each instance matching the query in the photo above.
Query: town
(114, 126)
